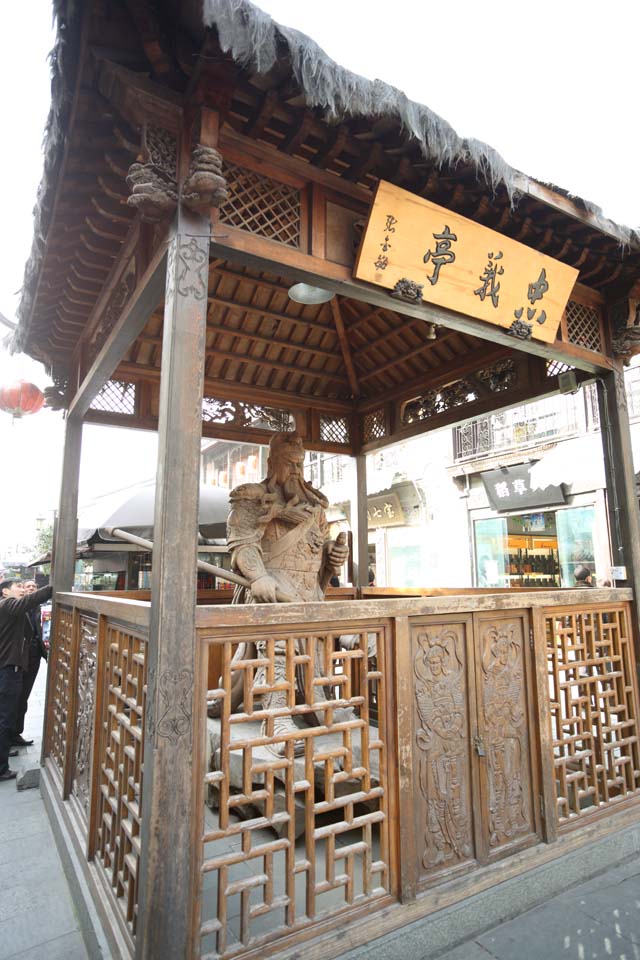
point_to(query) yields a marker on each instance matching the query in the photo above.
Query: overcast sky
(551, 85)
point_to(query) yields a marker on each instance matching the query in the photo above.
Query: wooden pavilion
(201, 160)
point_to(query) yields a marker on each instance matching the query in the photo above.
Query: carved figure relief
(442, 738)
(625, 320)
(408, 290)
(279, 541)
(504, 722)
(85, 712)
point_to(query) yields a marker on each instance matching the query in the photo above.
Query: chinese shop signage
(508, 488)
(384, 511)
(412, 245)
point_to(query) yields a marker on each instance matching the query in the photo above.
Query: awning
(577, 462)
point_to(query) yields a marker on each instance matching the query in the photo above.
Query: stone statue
(278, 537)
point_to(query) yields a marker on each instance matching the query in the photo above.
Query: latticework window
(554, 367)
(261, 205)
(334, 429)
(583, 325)
(116, 397)
(374, 426)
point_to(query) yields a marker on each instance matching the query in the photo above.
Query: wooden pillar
(361, 537)
(168, 805)
(622, 500)
(64, 547)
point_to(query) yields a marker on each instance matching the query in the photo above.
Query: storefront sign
(384, 511)
(508, 488)
(411, 243)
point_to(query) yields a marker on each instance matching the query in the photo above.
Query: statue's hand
(337, 554)
(296, 513)
(264, 589)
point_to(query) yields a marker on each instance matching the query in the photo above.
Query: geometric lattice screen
(583, 325)
(593, 717)
(334, 429)
(116, 397)
(261, 205)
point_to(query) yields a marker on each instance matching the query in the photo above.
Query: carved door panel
(445, 787)
(502, 740)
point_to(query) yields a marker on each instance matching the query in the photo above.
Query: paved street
(37, 918)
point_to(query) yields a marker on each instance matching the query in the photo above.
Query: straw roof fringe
(255, 40)
(64, 13)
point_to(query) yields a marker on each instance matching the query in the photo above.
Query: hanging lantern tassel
(20, 399)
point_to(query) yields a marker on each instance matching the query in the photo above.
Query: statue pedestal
(323, 744)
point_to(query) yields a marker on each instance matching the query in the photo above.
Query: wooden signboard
(462, 265)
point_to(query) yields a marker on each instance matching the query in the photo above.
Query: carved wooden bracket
(625, 322)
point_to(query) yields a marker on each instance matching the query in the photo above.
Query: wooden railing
(94, 732)
(348, 755)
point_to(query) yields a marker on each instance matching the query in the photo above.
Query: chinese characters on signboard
(509, 488)
(385, 511)
(463, 265)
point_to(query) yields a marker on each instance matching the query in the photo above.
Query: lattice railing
(120, 772)
(60, 691)
(298, 784)
(593, 710)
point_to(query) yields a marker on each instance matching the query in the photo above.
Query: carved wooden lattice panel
(593, 709)
(120, 788)
(583, 325)
(116, 397)
(85, 708)
(503, 746)
(261, 205)
(374, 426)
(334, 429)
(443, 696)
(298, 783)
(61, 671)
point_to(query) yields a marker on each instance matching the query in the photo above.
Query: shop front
(535, 538)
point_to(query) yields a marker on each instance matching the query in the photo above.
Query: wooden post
(361, 538)
(622, 500)
(169, 817)
(63, 555)
(64, 548)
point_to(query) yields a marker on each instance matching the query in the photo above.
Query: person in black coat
(15, 643)
(37, 652)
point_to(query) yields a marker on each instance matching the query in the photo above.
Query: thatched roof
(261, 48)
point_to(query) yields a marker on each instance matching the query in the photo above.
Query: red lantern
(21, 398)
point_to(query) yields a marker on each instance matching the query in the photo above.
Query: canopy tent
(132, 509)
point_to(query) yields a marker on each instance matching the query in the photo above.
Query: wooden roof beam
(344, 346)
(133, 319)
(138, 99)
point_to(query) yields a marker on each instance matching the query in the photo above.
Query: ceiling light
(305, 293)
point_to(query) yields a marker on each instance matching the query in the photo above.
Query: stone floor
(37, 917)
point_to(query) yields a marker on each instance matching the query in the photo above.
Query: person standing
(15, 641)
(37, 652)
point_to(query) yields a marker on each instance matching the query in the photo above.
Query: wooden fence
(350, 755)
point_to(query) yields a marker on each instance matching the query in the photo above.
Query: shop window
(575, 541)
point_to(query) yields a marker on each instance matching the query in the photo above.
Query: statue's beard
(290, 478)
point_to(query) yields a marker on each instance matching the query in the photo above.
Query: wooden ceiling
(257, 336)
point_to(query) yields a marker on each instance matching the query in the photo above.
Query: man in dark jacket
(15, 641)
(37, 652)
